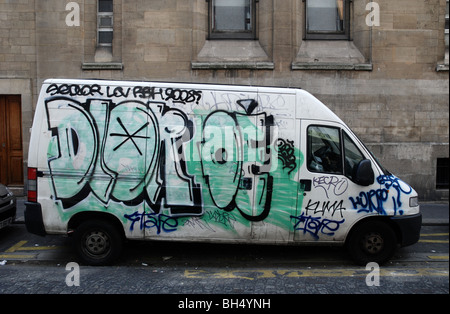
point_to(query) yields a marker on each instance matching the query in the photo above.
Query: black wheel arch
(384, 219)
(77, 219)
(373, 239)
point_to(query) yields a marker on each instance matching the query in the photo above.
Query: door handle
(306, 185)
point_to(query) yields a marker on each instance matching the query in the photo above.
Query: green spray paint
(114, 159)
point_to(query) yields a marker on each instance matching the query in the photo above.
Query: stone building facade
(381, 66)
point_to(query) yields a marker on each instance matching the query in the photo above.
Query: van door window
(353, 157)
(324, 150)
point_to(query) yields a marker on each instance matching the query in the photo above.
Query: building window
(442, 174)
(446, 61)
(105, 23)
(327, 19)
(232, 19)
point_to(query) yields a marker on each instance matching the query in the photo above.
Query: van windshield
(385, 171)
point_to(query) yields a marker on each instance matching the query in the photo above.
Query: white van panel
(195, 162)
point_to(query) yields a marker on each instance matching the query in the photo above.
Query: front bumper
(409, 227)
(7, 212)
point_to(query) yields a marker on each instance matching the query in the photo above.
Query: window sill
(90, 66)
(332, 66)
(232, 54)
(441, 67)
(227, 65)
(330, 55)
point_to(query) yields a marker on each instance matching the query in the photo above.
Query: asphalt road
(33, 264)
(181, 274)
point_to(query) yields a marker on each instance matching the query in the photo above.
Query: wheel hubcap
(97, 243)
(373, 243)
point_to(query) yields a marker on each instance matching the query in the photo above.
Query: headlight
(414, 201)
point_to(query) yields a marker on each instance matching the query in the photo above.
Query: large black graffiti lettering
(133, 151)
(129, 136)
(130, 152)
(286, 154)
(236, 159)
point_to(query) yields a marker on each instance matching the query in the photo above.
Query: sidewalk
(433, 214)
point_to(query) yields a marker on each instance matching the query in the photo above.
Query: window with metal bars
(105, 22)
(442, 175)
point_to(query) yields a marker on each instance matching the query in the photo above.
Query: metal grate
(442, 173)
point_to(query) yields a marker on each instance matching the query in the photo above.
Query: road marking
(250, 274)
(17, 256)
(433, 234)
(14, 251)
(19, 246)
(438, 257)
(433, 241)
(15, 247)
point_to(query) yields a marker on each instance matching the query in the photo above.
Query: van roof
(207, 86)
(308, 106)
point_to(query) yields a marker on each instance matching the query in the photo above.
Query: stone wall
(383, 82)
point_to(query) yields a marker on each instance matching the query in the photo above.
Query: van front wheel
(98, 242)
(372, 241)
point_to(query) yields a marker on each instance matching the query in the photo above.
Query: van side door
(328, 181)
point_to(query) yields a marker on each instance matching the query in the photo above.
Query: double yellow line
(433, 235)
(253, 274)
(11, 253)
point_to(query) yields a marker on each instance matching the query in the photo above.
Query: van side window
(324, 150)
(353, 157)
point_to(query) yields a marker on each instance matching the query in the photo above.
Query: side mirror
(364, 173)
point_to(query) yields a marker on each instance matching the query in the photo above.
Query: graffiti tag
(316, 225)
(325, 207)
(332, 184)
(152, 220)
(374, 200)
(143, 92)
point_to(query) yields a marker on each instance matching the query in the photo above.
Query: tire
(372, 241)
(98, 242)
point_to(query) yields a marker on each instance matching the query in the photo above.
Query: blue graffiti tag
(153, 220)
(374, 200)
(314, 225)
(371, 201)
(396, 183)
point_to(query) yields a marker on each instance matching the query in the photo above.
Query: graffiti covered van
(112, 160)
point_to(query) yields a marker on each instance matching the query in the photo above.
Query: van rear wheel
(98, 242)
(372, 241)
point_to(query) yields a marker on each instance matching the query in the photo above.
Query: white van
(113, 160)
